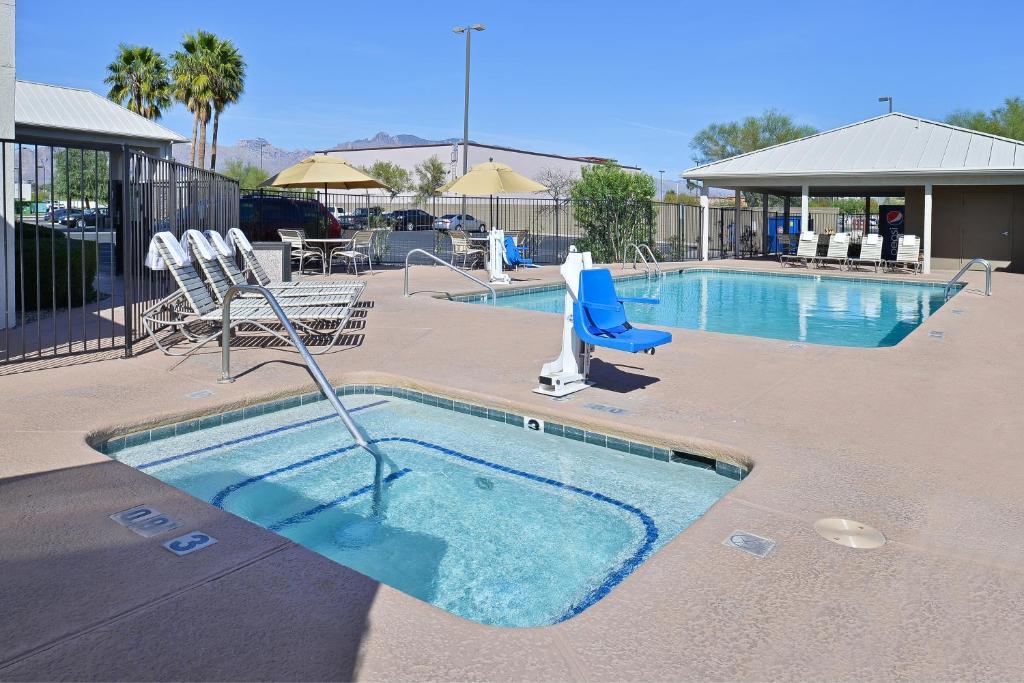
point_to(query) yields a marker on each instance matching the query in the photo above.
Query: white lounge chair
(908, 254)
(838, 251)
(192, 305)
(253, 267)
(870, 252)
(204, 254)
(806, 251)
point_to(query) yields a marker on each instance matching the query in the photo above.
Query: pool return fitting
(593, 316)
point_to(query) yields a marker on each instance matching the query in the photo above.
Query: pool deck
(922, 441)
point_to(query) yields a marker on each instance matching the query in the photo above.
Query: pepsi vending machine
(891, 224)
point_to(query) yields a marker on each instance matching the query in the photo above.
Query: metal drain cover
(849, 533)
(749, 543)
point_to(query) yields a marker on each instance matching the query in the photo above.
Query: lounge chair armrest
(638, 300)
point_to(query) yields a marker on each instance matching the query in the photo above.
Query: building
(964, 190)
(531, 164)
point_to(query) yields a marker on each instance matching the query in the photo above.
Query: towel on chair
(153, 259)
(199, 242)
(219, 244)
(236, 236)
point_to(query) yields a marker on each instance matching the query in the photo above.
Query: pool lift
(496, 256)
(594, 316)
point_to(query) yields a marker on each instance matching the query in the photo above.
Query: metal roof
(73, 109)
(889, 145)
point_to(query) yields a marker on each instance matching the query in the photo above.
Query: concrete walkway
(921, 440)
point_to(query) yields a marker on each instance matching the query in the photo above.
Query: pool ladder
(314, 369)
(638, 252)
(967, 266)
(405, 290)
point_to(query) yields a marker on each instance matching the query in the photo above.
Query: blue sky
(628, 80)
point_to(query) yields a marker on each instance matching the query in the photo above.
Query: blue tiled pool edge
(726, 469)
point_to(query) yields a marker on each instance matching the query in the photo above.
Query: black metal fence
(76, 226)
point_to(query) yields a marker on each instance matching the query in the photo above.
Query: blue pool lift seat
(599, 317)
(514, 257)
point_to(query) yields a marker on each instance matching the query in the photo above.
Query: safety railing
(314, 369)
(967, 266)
(638, 252)
(494, 294)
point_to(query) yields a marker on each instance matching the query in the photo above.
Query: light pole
(263, 143)
(468, 30)
(888, 99)
(661, 184)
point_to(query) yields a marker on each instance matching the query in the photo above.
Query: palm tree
(192, 73)
(227, 85)
(138, 80)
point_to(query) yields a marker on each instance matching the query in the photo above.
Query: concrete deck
(921, 440)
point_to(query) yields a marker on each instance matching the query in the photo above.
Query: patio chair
(838, 251)
(253, 267)
(191, 304)
(806, 251)
(908, 254)
(300, 250)
(205, 255)
(513, 257)
(361, 248)
(870, 253)
(462, 248)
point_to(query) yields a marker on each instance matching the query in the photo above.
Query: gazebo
(964, 190)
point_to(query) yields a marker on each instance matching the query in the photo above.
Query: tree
(395, 178)
(722, 140)
(193, 85)
(1007, 120)
(558, 181)
(138, 80)
(227, 83)
(249, 176)
(81, 175)
(430, 176)
(614, 208)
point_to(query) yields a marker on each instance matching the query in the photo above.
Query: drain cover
(849, 533)
(937, 334)
(749, 543)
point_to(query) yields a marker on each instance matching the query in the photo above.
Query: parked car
(457, 221)
(261, 216)
(410, 219)
(338, 212)
(358, 217)
(83, 218)
(57, 215)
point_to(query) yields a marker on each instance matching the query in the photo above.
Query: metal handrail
(967, 266)
(314, 369)
(494, 294)
(638, 251)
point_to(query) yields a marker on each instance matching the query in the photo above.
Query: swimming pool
(802, 308)
(488, 520)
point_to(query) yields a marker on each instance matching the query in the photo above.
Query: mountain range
(276, 158)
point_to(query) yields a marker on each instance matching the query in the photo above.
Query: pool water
(490, 521)
(799, 308)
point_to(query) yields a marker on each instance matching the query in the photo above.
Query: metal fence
(76, 227)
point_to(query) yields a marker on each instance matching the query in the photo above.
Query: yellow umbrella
(323, 171)
(492, 178)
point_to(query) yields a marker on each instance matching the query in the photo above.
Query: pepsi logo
(894, 217)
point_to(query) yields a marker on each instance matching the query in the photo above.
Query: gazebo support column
(805, 223)
(705, 221)
(926, 267)
(764, 223)
(737, 220)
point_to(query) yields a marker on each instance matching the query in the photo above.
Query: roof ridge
(54, 85)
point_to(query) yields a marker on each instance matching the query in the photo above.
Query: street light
(887, 99)
(263, 143)
(468, 30)
(661, 184)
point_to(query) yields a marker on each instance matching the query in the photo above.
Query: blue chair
(599, 317)
(514, 257)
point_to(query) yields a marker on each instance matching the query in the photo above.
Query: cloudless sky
(629, 80)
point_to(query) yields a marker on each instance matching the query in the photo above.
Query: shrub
(614, 208)
(60, 269)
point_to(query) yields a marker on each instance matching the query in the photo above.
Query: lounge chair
(908, 254)
(204, 254)
(513, 257)
(253, 267)
(225, 251)
(599, 317)
(461, 247)
(870, 252)
(838, 251)
(806, 251)
(192, 304)
(361, 248)
(300, 250)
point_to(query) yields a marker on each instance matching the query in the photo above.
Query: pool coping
(111, 444)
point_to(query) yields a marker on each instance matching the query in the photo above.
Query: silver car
(458, 221)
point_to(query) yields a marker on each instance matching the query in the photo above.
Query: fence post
(558, 227)
(127, 249)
